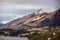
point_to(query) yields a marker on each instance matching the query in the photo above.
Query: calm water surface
(12, 38)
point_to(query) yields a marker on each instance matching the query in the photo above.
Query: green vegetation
(11, 32)
(46, 35)
(53, 34)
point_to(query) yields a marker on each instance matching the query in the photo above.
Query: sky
(13, 9)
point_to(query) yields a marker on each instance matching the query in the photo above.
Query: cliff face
(56, 18)
(36, 20)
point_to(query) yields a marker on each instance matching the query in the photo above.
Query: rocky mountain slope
(36, 20)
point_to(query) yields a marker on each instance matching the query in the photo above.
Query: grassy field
(47, 35)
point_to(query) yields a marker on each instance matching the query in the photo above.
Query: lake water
(12, 38)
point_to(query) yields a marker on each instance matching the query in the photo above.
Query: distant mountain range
(36, 20)
(1, 24)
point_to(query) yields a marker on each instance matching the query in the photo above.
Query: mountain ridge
(36, 20)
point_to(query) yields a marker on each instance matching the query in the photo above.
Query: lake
(12, 38)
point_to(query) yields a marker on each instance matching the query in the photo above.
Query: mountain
(52, 20)
(36, 20)
(1, 24)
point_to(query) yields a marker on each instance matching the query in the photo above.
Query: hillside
(36, 20)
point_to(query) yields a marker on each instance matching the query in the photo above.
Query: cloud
(12, 9)
(4, 22)
(34, 2)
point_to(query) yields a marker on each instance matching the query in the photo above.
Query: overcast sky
(12, 9)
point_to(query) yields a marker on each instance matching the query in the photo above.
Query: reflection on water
(13, 38)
